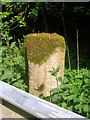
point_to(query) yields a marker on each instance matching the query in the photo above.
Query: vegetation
(12, 52)
(73, 93)
(13, 65)
(41, 45)
(23, 18)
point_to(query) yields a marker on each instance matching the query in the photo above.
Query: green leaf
(5, 14)
(20, 81)
(70, 75)
(71, 97)
(65, 97)
(79, 76)
(59, 79)
(7, 75)
(77, 106)
(66, 86)
(3, 48)
(13, 45)
(70, 108)
(86, 80)
(85, 108)
(55, 71)
(18, 59)
(10, 38)
(75, 90)
(64, 104)
(18, 76)
(13, 80)
(78, 81)
(81, 96)
(54, 91)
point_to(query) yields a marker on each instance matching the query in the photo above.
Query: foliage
(82, 9)
(14, 17)
(55, 72)
(13, 65)
(17, 20)
(73, 93)
(21, 18)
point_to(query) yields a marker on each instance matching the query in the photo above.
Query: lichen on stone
(41, 45)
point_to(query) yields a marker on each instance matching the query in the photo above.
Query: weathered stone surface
(40, 79)
(6, 112)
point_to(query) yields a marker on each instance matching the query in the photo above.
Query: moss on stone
(41, 45)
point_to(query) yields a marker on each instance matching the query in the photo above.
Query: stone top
(40, 46)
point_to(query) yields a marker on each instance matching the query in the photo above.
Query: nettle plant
(13, 65)
(55, 72)
(73, 93)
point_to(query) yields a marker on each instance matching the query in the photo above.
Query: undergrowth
(73, 93)
(12, 67)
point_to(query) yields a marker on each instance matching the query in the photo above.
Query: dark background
(49, 20)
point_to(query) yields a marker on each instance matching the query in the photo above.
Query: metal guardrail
(32, 104)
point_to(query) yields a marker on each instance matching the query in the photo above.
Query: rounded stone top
(41, 45)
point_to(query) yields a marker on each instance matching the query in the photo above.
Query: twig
(77, 50)
(69, 62)
(15, 27)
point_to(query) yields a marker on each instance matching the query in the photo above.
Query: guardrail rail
(33, 105)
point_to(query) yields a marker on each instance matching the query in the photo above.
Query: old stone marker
(45, 52)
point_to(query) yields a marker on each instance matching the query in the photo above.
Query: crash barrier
(25, 105)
